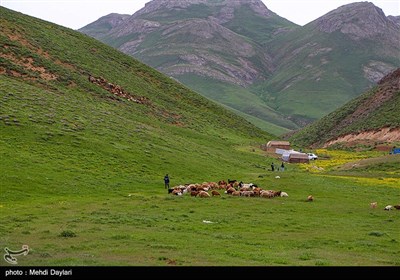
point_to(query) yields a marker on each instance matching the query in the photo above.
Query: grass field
(139, 224)
(81, 179)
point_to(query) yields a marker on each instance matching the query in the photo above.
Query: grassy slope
(387, 115)
(81, 179)
(259, 29)
(153, 51)
(82, 140)
(318, 72)
(242, 102)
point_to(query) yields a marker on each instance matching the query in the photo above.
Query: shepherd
(166, 181)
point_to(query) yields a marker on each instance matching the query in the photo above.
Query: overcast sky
(78, 13)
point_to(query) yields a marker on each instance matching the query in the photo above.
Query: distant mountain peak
(360, 20)
(155, 5)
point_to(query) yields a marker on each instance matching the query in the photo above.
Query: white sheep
(284, 194)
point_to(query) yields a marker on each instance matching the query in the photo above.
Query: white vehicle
(312, 156)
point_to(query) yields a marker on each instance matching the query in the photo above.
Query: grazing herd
(232, 188)
(235, 188)
(387, 207)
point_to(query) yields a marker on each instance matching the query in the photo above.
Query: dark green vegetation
(278, 75)
(81, 171)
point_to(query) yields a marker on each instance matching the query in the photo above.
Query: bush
(67, 233)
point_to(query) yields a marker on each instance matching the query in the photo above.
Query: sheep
(388, 207)
(236, 193)
(257, 191)
(284, 194)
(194, 193)
(230, 190)
(277, 193)
(177, 192)
(245, 186)
(267, 194)
(247, 193)
(203, 194)
(310, 198)
(215, 193)
(374, 204)
(397, 207)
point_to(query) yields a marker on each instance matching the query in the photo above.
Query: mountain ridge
(283, 65)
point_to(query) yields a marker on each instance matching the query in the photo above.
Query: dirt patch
(28, 63)
(386, 135)
(43, 53)
(13, 36)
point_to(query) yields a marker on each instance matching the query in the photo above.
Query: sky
(75, 14)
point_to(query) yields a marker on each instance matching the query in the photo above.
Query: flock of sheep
(387, 207)
(232, 187)
(235, 188)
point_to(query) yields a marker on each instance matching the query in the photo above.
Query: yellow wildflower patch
(330, 159)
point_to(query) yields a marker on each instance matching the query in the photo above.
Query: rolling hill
(77, 115)
(332, 60)
(276, 74)
(87, 134)
(372, 119)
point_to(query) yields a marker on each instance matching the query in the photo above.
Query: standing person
(282, 166)
(272, 167)
(166, 181)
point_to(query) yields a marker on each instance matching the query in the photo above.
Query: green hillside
(375, 109)
(54, 116)
(88, 133)
(319, 71)
(297, 74)
(201, 53)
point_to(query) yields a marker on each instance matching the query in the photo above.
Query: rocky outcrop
(203, 45)
(225, 11)
(359, 20)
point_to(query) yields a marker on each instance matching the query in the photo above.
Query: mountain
(214, 47)
(79, 116)
(370, 119)
(332, 60)
(276, 74)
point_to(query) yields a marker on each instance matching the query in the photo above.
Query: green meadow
(82, 171)
(139, 224)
